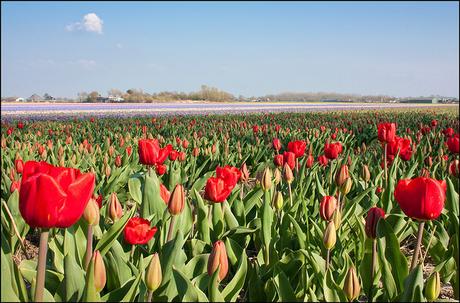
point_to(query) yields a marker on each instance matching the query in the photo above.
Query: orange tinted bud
(327, 207)
(99, 271)
(177, 200)
(342, 175)
(351, 287)
(91, 213)
(288, 175)
(153, 275)
(218, 257)
(244, 173)
(115, 209)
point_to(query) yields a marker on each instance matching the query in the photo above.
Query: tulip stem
(89, 246)
(290, 195)
(385, 163)
(149, 296)
(417, 247)
(328, 256)
(429, 243)
(133, 248)
(41, 267)
(374, 259)
(171, 228)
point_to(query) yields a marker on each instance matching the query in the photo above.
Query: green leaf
(413, 286)
(187, 291)
(299, 232)
(152, 203)
(132, 292)
(332, 292)
(90, 293)
(112, 234)
(283, 286)
(213, 288)
(74, 279)
(230, 219)
(134, 186)
(393, 254)
(202, 218)
(233, 288)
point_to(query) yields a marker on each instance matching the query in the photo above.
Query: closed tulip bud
(278, 200)
(266, 181)
(244, 173)
(337, 218)
(153, 275)
(373, 216)
(91, 213)
(351, 287)
(327, 207)
(433, 287)
(365, 173)
(177, 200)
(218, 257)
(277, 176)
(342, 175)
(428, 161)
(115, 209)
(346, 187)
(288, 175)
(106, 159)
(44, 154)
(118, 161)
(454, 168)
(108, 171)
(99, 271)
(330, 236)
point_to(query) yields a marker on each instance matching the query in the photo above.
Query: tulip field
(316, 206)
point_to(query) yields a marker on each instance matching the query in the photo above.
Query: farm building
(35, 98)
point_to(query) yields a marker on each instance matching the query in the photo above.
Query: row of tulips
(202, 217)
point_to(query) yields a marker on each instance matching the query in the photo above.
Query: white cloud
(119, 45)
(83, 63)
(90, 23)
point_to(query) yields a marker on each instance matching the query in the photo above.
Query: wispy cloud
(90, 23)
(83, 63)
(119, 45)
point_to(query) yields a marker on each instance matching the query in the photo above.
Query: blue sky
(255, 48)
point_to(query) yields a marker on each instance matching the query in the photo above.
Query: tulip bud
(177, 200)
(91, 213)
(278, 200)
(99, 271)
(244, 173)
(346, 187)
(342, 175)
(108, 171)
(266, 181)
(118, 161)
(428, 161)
(365, 173)
(373, 216)
(153, 275)
(277, 176)
(433, 287)
(454, 168)
(218, 257)
(329, 237)
(337, 218)
(115, 209)
(351, 287)
(288, 175)
(327, 207)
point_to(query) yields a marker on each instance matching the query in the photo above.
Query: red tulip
(217, 190)
(401, 144)
(164, 193)
(373, 216)
(20, 125)
(177, 200)
(161, 169)
(421, 198)
(323, 160)
(19, 165)
(53, 196)
(98, 200)
(118, 161)
(386, 132)
(276, 144)
(434, 123)
(310, 161)
(15, 185)
(453, 143)
(138, 231)
(150, 152)
(230, 174)
(297, 147)
(454, 168)
(289, 158)
(196, 152)
(332, 150)
(278, 160)
(327, 207)
(448, 132)
(185, 143)
(173, 155)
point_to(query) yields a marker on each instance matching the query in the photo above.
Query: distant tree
(115, 92)
(47, 97)
(92, 97)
